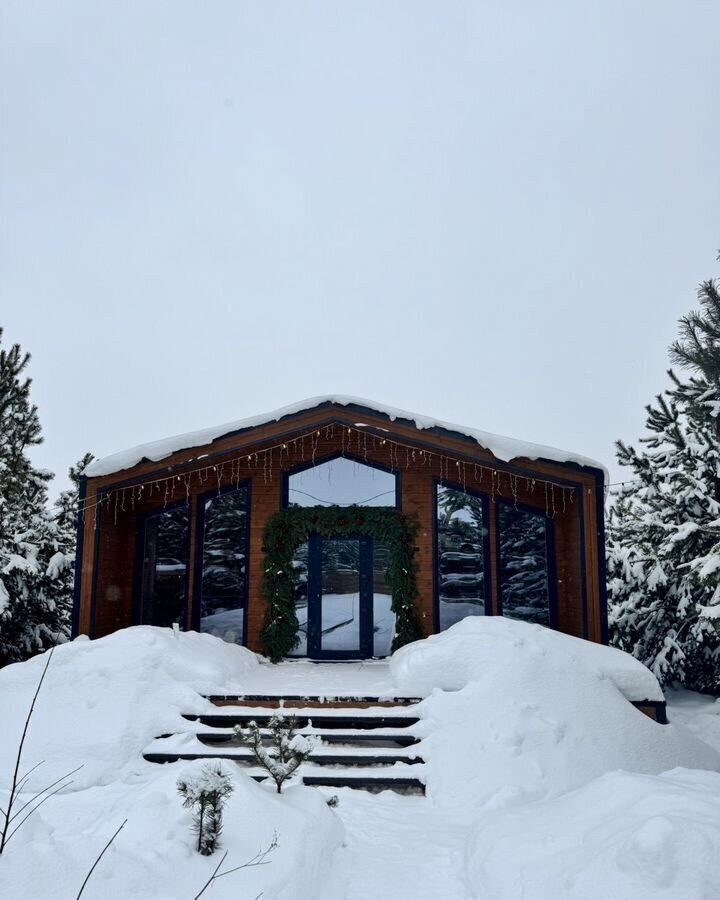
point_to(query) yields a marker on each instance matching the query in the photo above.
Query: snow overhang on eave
(504, 449)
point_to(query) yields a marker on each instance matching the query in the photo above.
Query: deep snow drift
(518, 712)
(543, 781)
(100, 705)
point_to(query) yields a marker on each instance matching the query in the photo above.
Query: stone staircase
(367, 742)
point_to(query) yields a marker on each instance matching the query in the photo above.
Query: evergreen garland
(291, 527)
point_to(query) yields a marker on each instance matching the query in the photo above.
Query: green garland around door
(291, 527)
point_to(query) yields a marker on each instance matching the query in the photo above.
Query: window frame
(549, 556)
(201, 500)
(352, 457)
(138, 575)
(487, 562)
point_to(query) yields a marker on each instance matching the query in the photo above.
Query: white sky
(490, 213)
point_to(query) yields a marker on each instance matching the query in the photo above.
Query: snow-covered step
(189, 746)
(366, 779)
(294, 701)
(367, 742)
(373, 784)
(369, 717)
(239, 756)
(368, 737)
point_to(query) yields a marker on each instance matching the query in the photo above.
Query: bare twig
(211, 878)
(47, 797)
(4, 834)
(97, 860)
(44, 790)
(257, 860)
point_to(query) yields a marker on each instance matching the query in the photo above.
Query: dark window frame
(352, 457)
(549, 556)
(142, 520)
(487, 562)
(365, 594)
(201, 500)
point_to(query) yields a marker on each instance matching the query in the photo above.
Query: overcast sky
(490, 213)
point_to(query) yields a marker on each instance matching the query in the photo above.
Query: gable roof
(503, 448)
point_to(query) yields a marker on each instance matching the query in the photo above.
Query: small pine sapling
(286, 749)
(205, 792)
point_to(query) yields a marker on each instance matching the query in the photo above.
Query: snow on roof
(503, 448)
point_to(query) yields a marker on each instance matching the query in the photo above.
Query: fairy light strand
(263, 460)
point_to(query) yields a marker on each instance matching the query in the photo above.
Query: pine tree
(61, 566)
(286, 751)
(31, 618)
(664, 525)
(205, 792)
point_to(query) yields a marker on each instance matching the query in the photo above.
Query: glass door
(340, 598)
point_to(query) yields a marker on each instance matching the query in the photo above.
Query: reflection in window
(461, 535)
(383, 616)
(224, 572)
(164, 574)
(341, 482)
(340, 595)
(301, 566)
(524, 581)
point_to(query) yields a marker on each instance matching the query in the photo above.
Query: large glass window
(461, 533)
(164, 572)
(223, 586)
(342, 482)
(383, 616)
(524, 578)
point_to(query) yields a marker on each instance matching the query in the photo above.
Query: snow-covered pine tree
(286, 751)
(664, 524)
(61, 566)
(31, 616)
(205, 793)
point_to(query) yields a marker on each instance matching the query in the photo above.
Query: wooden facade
(115, 505)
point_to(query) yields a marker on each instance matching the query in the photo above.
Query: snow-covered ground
(542, 780)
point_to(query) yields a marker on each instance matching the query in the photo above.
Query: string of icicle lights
(495, 482)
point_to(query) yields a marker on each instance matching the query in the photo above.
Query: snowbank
(699, 713)
(622, 835)
(525, 713)
(502, 448)
(154, 856)
(466, 652)
(103, 701)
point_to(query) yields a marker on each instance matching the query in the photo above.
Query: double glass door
(340, 597)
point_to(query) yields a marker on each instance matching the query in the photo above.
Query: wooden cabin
(342, 524)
